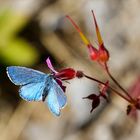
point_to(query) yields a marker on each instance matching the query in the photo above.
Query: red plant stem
(115, 91)
(115, 81)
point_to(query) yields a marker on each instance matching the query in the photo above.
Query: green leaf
(18, 52)
(11, 22)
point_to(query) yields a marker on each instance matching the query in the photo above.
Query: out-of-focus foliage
(15, 50)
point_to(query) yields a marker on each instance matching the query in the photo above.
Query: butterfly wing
(61, 97)
(32, 82)
(52, 103)
(56, 98)
(32, 92)
(21, 75)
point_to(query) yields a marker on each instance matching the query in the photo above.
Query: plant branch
(115, 91)
(116, 82)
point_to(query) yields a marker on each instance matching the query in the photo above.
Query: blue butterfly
(38, 86)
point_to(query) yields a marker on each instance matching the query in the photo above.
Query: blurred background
(32, 30)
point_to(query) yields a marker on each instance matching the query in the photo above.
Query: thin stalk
(115, 91)
(116, 82)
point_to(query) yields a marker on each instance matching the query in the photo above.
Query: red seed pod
(66, 74)
(93, 52)
(103, 55)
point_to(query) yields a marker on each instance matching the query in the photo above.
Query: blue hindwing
(32, 92)
(56, 98)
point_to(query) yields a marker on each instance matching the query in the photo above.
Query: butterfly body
(38, 86)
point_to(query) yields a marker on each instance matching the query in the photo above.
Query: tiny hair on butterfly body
(38, 86)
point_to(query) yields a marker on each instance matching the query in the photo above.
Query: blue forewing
(34, 85)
